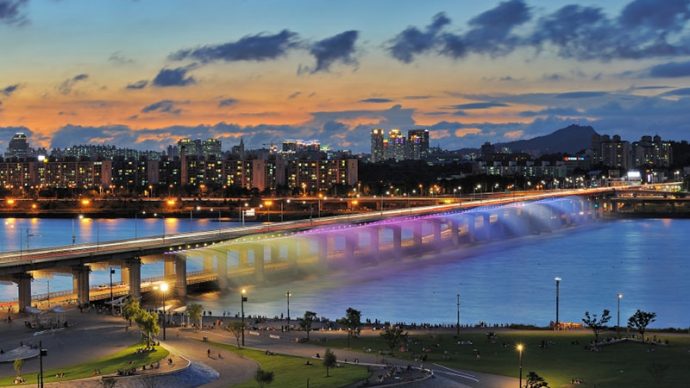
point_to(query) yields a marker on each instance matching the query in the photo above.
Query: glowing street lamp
(288, 294)
(558, 295)
(618, 320)
(520, 348)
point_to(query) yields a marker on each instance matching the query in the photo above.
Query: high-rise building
(397, 147)
(418, 144)
(616, 153)
(652, 152)
(377, 145)
(18, 147)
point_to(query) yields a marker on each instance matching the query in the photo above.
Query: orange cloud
(462, 132)
(513, 134)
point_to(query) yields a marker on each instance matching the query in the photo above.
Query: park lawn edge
(346, 375)
(107, 365)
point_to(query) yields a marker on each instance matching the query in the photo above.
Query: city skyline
(468, 73)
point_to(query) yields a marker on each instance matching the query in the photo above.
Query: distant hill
(569, 140)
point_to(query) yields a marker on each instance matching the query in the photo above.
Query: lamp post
(164, 290)
(42, 353)
(287, 295)
(48, 287)
(520, 348)
(242, 300)
(112, 305)
(457, 325)
(618, 318)
(558, 295)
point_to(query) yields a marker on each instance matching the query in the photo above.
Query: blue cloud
(138, 84)
(260, 47)
(337, 48)
(226, 102)
(584, 94)
(670, 70)
(11, 11)
(413, 41)
(173, 77)
(376, 100)
(163, 106)
(9, 90)
(67, 85)
(552, 112)
(682, 92)
(479, 105)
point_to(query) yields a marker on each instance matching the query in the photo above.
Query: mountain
(569, 140)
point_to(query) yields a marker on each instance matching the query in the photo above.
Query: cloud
(9, 90)
(67, 85)
(514, 134)
(138, 84)
(376, 100)
(260, 47)
(11, 11)
(417, 97)
(173, 77)
(643, 29)
(227, 102)
(552, 112)
(479, 105)
(462, 132)
(413, 41)
(339, 48)
(119, 59)
(163, 106)
(677, 92)
(583, 94)
(670, 70)
(294, 95)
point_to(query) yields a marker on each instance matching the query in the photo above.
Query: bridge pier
(222, 270)
(293, 252)
(350, 248)
(275, 253)
(243, 257)
(80, 283)
(180, 276)
(23, 281)
(132, 271)
(436, 226)
(208, 263)
(454, 232)
(471, 220)
(168, 267)
(486, 226)
(259, 265)
(322, 250)
(417, 234)
(374, 244)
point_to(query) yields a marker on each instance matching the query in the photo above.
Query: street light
(457, 326)
(242, 300)
(558, 294)
(520, 348)
(112, 305)
(42, 353)
(287, 295)
(618, 320)
(164, 290)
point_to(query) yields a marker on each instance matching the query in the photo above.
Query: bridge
(250, 253)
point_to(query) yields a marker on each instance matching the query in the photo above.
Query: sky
(142, 74)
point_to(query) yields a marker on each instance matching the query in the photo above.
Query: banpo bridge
(250, 254)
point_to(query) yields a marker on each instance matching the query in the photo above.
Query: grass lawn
(107, 365)
(620, 365)
(291, 372)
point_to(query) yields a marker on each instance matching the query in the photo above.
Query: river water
(510, 281)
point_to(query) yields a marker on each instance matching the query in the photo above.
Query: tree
(148, 323)
(640, 320)
(235, 327)
(130, 310)
(329, 361)
(536, 381)
(195, 310)
(306, 322)
(595, 323)
(393, 335)
(263, 377)
(353, 322)
(18, 365)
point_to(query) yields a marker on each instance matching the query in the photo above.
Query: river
(511, 281)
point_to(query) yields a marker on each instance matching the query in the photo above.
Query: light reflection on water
(505, 282)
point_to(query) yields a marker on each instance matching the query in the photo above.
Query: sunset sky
(144, 73)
